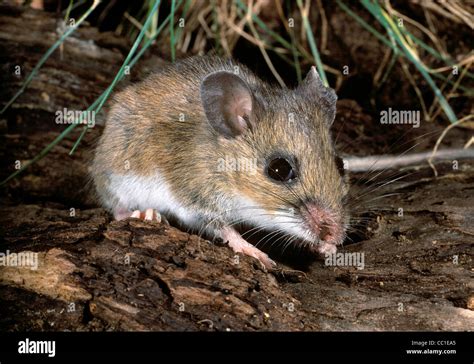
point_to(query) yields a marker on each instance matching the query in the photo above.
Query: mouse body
(208, 143)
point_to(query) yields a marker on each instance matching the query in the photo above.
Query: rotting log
(96, 274)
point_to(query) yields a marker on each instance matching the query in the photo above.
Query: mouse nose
(323, 222)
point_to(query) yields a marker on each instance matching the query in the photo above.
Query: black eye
(281, 170)
(340, 166)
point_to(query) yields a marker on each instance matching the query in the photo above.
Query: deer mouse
(206, 142)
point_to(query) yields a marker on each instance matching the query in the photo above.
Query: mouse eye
(340, 166)
(281, 170)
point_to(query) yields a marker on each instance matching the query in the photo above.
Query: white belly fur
(139, 193)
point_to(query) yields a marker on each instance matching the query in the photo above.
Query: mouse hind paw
(147, 215)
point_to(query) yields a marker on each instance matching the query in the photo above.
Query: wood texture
(97, 274)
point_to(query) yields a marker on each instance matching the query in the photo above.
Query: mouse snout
(323, 222)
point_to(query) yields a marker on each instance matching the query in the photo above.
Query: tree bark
(97, 274)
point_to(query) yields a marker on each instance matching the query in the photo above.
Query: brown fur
(143, 128)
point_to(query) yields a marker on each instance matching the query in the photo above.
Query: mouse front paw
(240, 245)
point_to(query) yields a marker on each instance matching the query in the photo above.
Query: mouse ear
(313, 87)
(227, 102)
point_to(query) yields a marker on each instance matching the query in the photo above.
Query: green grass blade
(119, 74)
(262, 25)
(172, 37)
(312, 45)
(376, 10)
(47, 54)
(78, 141)
(149, 42)
(103, 98)
(449, 61)
(96, 105)
(179, 30)
(68, 10)
(41, 154)
(386, 42)
(366, 26)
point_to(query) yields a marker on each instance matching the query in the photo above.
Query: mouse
(208, 143)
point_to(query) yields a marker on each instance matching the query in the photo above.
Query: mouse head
(278, 163)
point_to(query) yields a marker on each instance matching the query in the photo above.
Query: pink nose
(325, 223)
